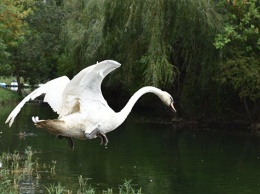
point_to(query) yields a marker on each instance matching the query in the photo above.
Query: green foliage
(82, 34)
(43, 46)
(241, 25)
(193, 32)
(11, 32)
(30, 36)
(195, 47)
(158, 69)
(242, 74)
(239, 43)
(148, 37)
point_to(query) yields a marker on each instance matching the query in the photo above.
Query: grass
(19, 173)
(7, 95)
(9, 79)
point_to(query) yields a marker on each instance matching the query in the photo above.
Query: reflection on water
(160, 158)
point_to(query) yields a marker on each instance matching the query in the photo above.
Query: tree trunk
(247, 111)
(17, 73)
(254, 117)
(19, 89)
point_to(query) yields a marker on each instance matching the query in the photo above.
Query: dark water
(160, 158)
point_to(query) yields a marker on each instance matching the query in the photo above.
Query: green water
(160, 158)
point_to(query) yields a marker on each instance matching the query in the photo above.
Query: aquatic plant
(128, 188)
(19, 172)
(57, 189)
(84, 187)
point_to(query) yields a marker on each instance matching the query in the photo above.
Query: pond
(159, 158)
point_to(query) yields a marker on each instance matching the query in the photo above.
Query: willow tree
(159, 70)
(82, 34)
(190, 27)
(158, 42)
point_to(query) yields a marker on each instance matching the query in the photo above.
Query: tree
(239, 43)
(43, 46)
(155, 40)
(82, 34)
(13, 32)
(30, 39)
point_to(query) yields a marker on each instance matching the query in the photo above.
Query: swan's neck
(122, 115)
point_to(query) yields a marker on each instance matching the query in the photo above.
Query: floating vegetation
(20, 173)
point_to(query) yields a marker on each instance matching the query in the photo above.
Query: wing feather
(85, 88)
(53, 96)
(65, 96)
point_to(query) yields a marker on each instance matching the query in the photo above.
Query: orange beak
(172, 107)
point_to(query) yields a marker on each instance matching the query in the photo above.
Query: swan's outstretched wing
(53, 96)
(84, 90)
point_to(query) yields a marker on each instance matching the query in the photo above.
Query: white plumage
(83, 111)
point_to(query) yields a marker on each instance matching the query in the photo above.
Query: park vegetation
(204, 52)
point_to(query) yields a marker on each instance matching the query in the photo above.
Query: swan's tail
(36, 119)
(52, 126)
(58, 127)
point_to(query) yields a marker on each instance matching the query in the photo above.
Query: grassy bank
(8, 80)
(7, 95)
(20, 173)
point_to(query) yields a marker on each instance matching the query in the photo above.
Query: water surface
(160, 158)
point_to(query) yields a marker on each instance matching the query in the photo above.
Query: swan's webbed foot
(70, 141)
(99, 134)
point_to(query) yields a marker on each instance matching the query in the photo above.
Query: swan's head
(168, 100)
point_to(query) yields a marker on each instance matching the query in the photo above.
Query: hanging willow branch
(159, 70)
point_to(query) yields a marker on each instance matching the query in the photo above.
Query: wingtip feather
(9, 120)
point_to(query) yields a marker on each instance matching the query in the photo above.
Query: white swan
(83, 111)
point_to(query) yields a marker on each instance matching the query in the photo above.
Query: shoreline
(195, 124)
(234, 126)
(8, 96)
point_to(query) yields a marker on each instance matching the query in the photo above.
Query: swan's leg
(103, 138)
(70, 141)
(99, 134)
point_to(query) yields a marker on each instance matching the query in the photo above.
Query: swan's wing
(85, 88)
(53, 96)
